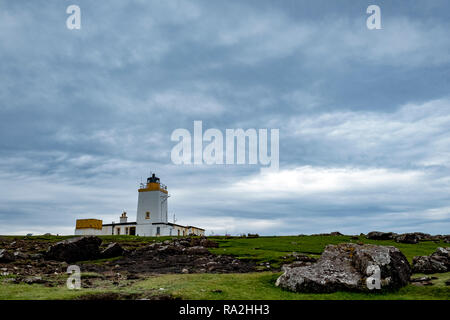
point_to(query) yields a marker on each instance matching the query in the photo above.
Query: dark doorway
(132, 231)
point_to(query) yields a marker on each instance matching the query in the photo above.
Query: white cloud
(414, 134)
(308, 180)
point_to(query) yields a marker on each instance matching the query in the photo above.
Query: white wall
(88, 232)
(148, 201)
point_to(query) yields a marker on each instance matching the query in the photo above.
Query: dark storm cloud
(362, 114)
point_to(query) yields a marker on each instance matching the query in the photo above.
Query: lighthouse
(151, 217)
(152, 206)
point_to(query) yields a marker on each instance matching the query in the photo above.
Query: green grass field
(273, 249)
(244, 286)
(247, 286)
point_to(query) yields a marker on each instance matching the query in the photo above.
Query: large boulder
(377, 235)
(6, 256)
(112, 250)
(411, 238)
(75, 249)
(438, 261)
(347, 267)
(425, 236)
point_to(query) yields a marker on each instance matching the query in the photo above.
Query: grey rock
(112, 250)
(334, 233)
(423, 283)
(424, 236)
(75, 249)
(377, 235)
(421, 279)
(32, 280)
(12, 280)
(411, 238)
(304, 258)
(295, 264)
(438, 261)
(344, 267)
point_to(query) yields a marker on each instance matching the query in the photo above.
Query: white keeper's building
(151, 217)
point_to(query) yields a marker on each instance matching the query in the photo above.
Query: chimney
(123, 217)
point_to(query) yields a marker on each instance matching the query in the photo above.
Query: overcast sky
(364, 115)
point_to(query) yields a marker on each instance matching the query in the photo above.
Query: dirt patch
(177, 256)
(125, 296)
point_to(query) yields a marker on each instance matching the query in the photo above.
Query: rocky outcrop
(424, 236)
(173, 256)
(377, 235)
(75, 249)
(112, 250)
(438, 261)
(331, 234)
(347, 267)
(411, 238)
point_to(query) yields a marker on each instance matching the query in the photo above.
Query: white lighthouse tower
(151, 217)
(152, 207)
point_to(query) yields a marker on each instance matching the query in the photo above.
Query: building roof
(195, 228)
(88, 224)
(119, 224)
(165, 223)
(177, 225)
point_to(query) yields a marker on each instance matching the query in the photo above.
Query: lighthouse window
(147, 215)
